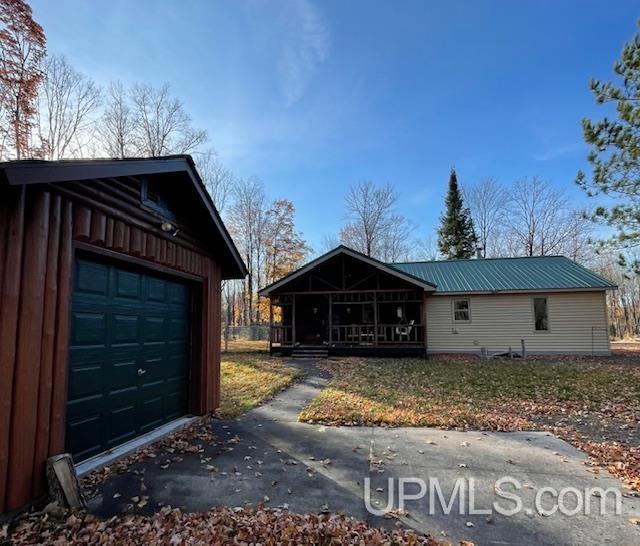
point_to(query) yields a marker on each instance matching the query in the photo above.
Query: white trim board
(97, 462)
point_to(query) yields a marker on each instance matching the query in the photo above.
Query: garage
(128, 355)
(110, 283)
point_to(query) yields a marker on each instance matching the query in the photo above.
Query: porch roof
(387, 268)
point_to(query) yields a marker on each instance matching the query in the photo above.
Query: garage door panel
(150, 411)
(88, 328)
(156, 290)
(86, 379)
(85, 436)
(124, 328)
(124, 375)
(177, 328)
(153, 329)
(83, 408)
(177, 293)
(174, 402)
(127, 284)
(121, 422)
(92, 278)
(129, 355)
(154, 370)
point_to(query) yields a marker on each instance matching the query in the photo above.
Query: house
(347, 303)
(110, 275)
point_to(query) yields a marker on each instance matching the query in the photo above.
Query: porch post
(424, 322)
(375, 317)
(270, 324)
(330, 318)
(293, 322)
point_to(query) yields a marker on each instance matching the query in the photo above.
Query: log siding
(42, 228)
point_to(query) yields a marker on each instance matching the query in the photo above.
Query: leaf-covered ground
(594, 404)
(172, 527)
(250, 378)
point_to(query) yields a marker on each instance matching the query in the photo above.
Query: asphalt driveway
(272, 458)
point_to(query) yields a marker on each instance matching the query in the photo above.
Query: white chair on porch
(403, 332)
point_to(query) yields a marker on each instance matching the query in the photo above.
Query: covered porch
(331, 319)
(346, 303)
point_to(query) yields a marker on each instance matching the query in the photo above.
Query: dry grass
(245, 346)
(595, 404)
(250, 378)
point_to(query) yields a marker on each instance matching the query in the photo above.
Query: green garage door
(128, 357)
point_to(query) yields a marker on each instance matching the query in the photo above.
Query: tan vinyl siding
(577, 324)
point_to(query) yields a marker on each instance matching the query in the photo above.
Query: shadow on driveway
(311, 468)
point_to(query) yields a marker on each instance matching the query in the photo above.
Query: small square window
(541, 314)
(461, 310)
(154, 198)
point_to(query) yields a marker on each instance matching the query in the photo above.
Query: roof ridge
(457, 260)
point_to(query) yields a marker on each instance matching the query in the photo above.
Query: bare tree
(116, 127)
(394, 243)
(488, 201)
(217, 178)
(425, 249)
(161, 124)
(538, 219)
(328, 242)
(371, 215)
(579, 245)
(67, 103)
(246, 220)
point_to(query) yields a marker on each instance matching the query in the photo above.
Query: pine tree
(615, 153)
(456, 236)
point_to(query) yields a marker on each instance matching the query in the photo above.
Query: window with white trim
(461, 310)
(541, 314)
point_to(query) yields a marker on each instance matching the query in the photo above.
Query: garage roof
(490, 275)
(16, 173)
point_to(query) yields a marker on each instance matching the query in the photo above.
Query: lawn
(250, 378)
(245, 346)
(593, 404)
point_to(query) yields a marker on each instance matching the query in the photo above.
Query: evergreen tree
(615, 154)
(456, 236)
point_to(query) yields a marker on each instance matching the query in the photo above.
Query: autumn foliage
(22, 50)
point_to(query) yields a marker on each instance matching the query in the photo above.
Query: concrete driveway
(312, 468)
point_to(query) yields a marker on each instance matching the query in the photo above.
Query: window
(541, 314)
(461, 310)
(153, 197)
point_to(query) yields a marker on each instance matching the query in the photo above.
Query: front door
(128, 356)
(312, 319)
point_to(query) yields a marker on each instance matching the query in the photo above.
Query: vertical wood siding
(38, 227)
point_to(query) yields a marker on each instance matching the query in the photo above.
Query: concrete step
(310, 353)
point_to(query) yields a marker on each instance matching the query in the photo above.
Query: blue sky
(312, 96)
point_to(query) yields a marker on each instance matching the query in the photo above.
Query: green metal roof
(505, 274)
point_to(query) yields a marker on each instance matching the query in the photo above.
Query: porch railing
(383, 334)
(360, 334)
(282, 335)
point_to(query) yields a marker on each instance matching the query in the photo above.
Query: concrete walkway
(311, 468)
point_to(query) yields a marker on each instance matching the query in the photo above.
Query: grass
(468, 394)
(593, 404)
(245, 346)
(250, 378)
